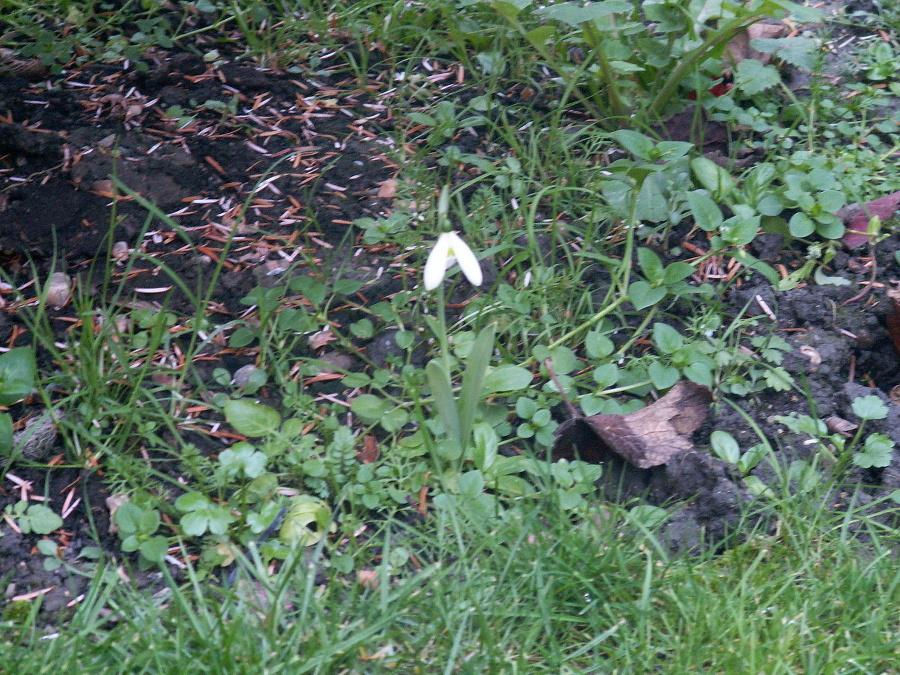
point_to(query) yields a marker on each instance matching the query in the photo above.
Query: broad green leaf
(713, 177)
(42, 520)
(651, 265)
(662, 376)
(699, 373)
(869, 408)
(636, 143)
(643, 295)
(801, 225)
(306, 522)
(677, 271)
(667, 339)
(562, 358)
(877, 452)
(725, 447)
(575, 14)
(18, 372)
(606, 375)
(752, 77)
(506, 378)
(597, 345)
(705, 211)
(250, 418)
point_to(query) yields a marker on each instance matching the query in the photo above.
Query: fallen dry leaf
(388, 189)
(646, 438)
(838, 425)
(370, 451)
(739, 48)
(856, 217)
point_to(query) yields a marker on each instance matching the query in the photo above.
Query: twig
(865, 291)
(573, 411)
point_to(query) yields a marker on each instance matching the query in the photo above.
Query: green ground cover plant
(412, 518)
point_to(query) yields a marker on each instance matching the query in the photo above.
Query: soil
(81, 156)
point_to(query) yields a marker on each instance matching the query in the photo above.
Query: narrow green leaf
(473, 379)
(448, 413)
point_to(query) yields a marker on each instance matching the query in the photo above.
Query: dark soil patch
(305, 159)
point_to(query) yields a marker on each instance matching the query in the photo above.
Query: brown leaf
(646, 438)
(370, 451)
(838, 425)
(388, 189)
(739, 48)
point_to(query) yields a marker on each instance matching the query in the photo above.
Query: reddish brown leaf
(370, 451)
(856, 217)
(646, 438)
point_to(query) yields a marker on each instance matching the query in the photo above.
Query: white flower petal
(450, 249)
(468, 263)
(436, 264)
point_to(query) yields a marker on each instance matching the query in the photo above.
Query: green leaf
(250, 418)
(825, 280)
(306, 522)
(677, 271)
(471, 393)
(699, 373)
(606, 375)
(636, 143)
(310, 288)
(725, 447)
(506, 378)
(713, 177)
(155, 549)
(707, 214)
(441, 390)
(42, 520)
(662, 376)
(831, 200)
(562, 359)
(509, 8)
(739, 231)
(574, 14)
(797, 51)
(128, 518)
(752, 77)
(18, 372)
(6, 434)
(643, 295)
(877, 452)
(801, 225)
(597, 345)
(651, 265)
(667, 339)
(869, 408)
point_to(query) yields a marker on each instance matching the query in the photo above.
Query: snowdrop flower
(450, 249)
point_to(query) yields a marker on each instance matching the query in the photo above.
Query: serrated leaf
(752, 77)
